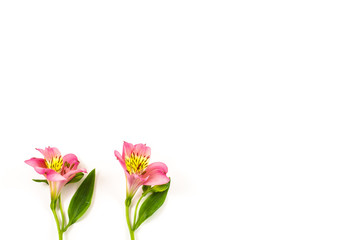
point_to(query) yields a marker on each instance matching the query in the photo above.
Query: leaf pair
(152, 203)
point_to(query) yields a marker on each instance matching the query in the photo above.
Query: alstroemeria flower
(57, 169)
(135, 162)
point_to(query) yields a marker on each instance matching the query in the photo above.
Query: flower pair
(60, 170)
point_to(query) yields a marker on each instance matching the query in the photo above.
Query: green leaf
(41, 180)
(152, 203)
(82, 199)
(157, 188)
(160, 188)
(76, 178)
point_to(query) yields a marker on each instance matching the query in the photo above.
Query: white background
(255, 106)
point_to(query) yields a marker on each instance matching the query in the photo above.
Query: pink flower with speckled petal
(57, 169)
(135, 163)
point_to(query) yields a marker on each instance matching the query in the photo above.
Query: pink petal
(41, 151)
(133, 183)
(118, 155)
(69, 175)
(142, 150)
(70, 162)
(127, 149)
(156, 173)
(40, 170)
(53, 176)
(49, 152)
(121, 160)
(158, 178)
(36, 162)
(50, 174)
(160, 166)
(71, 159)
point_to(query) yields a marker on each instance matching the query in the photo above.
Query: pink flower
(134, 160)
(58, 170)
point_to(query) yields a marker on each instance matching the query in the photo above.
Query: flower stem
(135, 211)
(53, 207)
(131, 232)
(62, 214)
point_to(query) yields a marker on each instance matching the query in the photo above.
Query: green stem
(131, 232)
(65, 228)
(135, 211)
(62, 214)
(53, 207)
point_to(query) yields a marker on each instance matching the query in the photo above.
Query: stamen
(56, 163)
(136, 163)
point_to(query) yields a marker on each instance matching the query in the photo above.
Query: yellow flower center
(56, 163)
(136, 164)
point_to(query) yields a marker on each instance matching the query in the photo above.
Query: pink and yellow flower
(135, 162)
(57, 169)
